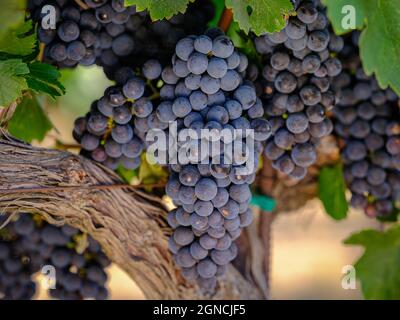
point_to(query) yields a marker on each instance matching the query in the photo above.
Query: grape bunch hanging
(208, 91)
(368, 120)
(28, 244)
(296, 87)
(107, 33)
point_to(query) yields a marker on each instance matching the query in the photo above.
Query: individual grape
(297, 45)
(121, 115)
(182, 217)
(298, 173)
(307, 12)
(222, 47)
(297, 123)
(68, 31)
(89, 142)
(209, 85)
(333, 66)
(285, 82)
(217, 67)
(24, 226)
(192, 81)
(183, 236)
(284, 164)
(230, 210)
(246, 96)
(168, 76)
(217, 233)
(311, 64)
(187, 195)
(207, 242)
(262, 129)
(318, 41)
(280, 61)
(316, 113)
(272, 151)
(207, 268)
(221, 257)
(197, 251)
(206, 189)
(60, 258)
(284, 139)
(203, 208)
(181, 107)
(58, 52)
(304, 155)
(152, 69)
(122, 134)
(189, 175)
(310, 95)
(184, 48)
(221, 198)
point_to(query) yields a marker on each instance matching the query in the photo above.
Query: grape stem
(40, 56)
(83, 5)
(226, 19)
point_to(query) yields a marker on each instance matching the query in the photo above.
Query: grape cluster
(204, 89)
(77, 36)
(20, 259)
(79, 275)
(296, 87)
(368, 121)
(153, 39)
(112, 132)
(28, 244)
(112, 35)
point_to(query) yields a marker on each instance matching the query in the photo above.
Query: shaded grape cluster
(113, 130)
(295, 86)
(204, 88)
(368, 121)
(20, 259)
(28, 244)
(111, 35)
(77, 36)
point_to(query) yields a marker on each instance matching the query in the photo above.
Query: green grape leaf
(378, 267)
(331, 191)
(16, 41)
(44, 78)
(160, 9)
(260, 16)
(380, 39)
(29, 121)
(12, 80)
(12, 14)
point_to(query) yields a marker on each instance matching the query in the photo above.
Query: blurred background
(307, 250)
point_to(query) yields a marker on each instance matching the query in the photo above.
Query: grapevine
(209, 119)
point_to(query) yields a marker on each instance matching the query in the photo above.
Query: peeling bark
(130, 225)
